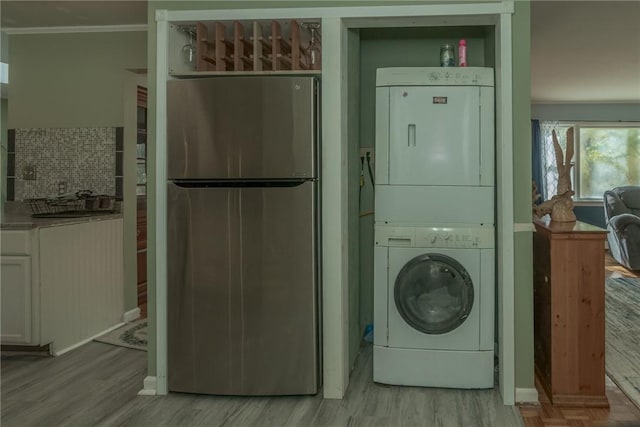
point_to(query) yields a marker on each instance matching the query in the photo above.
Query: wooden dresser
(569, 316)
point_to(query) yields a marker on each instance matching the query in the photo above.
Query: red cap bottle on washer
(462, 53)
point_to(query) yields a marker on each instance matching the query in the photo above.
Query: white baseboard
(527, 395)
(149, 387)
(55, 352)
(131, 315)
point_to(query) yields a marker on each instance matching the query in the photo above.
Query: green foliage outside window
(609, 157)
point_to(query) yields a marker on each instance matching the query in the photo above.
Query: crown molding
(76, 29)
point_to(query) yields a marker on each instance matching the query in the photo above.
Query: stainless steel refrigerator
(243, 235)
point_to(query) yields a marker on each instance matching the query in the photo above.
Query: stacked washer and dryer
(434, 256)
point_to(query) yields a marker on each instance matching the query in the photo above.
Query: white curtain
(548, 157)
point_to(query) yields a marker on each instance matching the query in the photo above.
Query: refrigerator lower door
(242, 290)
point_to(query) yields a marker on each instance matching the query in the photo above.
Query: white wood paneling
(504, 196)
(335, 296)
(81, 281)
(160, 261)
(16, 242)
(16, 299)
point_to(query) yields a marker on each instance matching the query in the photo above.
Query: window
(606, 155)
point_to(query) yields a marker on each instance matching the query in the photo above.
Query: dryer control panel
(471, 237)
(434, 76)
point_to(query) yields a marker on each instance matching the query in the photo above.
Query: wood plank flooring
(96, 385)
(622, 411)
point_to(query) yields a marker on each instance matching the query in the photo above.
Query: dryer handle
(411, 137)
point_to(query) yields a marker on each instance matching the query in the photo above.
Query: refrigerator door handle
(241, 183)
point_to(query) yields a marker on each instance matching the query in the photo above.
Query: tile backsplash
(51, 161)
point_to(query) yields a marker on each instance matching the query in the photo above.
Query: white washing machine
(434, 262)
(434, 305)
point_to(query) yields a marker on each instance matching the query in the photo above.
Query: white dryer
(435, 126)
(435, 145)
(434, 306)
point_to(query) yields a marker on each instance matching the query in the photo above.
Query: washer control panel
(471, 237)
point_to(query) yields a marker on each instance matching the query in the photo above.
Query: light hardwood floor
(96, 385)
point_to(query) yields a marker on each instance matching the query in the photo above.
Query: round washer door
(434, 293)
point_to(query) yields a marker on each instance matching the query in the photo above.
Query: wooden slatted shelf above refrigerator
(253, 47)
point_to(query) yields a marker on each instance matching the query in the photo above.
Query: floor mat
(131, 335)
(623, 334)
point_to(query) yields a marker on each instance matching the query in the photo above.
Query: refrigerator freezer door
(242, 278)
(241, 127)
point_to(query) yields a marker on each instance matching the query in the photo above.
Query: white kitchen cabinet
(20, 297)
(16, 300)
(62, 283)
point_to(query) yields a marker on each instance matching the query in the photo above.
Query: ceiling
(28, 13)
(581, 51)
(585, 51)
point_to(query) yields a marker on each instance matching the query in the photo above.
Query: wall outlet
(62, 187)
(363, 153)
(369, 162)
(29, 173)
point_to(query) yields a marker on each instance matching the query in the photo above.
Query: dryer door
(434, 136)
(434, 294)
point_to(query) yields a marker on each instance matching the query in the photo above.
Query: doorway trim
(335, 22)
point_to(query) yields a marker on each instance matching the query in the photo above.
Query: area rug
(623, 334)
(130, 335)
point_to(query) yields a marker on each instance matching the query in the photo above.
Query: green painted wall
(522, 256)
(151, 185)
(71, 80)
(79, 80)
(355, 333)
(523, 249)
(603, 112)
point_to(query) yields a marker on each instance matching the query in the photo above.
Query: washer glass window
(434, 293)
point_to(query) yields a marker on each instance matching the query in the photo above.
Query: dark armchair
(622, 214)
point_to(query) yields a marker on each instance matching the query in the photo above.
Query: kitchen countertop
(17, 216)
